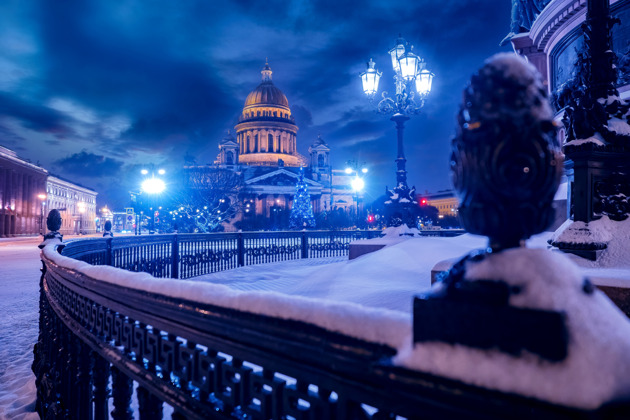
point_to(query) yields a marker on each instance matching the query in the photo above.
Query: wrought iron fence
(100, 341)
(189, 255)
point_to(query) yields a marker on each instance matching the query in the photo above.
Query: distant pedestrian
(108, 230)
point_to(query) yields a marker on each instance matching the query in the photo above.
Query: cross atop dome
(266, 72)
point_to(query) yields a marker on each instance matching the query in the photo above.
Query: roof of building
(319, 141)
(229, 138)
(56, 178)
(266, 93)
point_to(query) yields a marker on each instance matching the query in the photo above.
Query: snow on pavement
(386, 279)
(19, 316)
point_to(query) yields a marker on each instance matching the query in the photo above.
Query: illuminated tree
(209, 199)
(302, 211)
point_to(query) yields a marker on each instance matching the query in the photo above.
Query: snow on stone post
(598, 143)
(53, 223)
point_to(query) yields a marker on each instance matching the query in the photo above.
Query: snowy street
(19, 291)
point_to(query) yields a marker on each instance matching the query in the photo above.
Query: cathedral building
(265, 153)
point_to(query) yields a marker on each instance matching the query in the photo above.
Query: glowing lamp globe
(424, 81)
(397, 52)
(370, 78)
(348, 171)
(153, 186)
(409, 65)
(357, 184)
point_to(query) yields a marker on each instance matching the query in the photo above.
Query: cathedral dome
(266, 93)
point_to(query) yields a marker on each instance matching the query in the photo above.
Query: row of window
(69, 194)
(276, 114)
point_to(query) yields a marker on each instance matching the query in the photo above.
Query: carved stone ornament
(506, 161)
(506, 166)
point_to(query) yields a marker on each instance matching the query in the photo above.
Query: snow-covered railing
(204, 351)
(189, 255)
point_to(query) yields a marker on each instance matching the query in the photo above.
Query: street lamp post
(42, 198)
(357, 183)
(413, 83)
(153, 186)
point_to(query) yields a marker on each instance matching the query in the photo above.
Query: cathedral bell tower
(228, 151)
(320, 156)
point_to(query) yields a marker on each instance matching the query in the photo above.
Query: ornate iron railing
(100, 341)
(190, 255)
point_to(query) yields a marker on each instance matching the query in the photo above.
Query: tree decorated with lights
(208, 199)
(302, 211)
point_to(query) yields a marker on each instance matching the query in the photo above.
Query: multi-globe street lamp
(413, 83)
(357, 183)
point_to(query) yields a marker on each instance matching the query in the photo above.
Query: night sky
(95, 89)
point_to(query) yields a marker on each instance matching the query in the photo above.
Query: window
(270, 143)
(229, 158)
(320, 160)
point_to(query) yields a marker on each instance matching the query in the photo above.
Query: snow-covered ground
(19, 314)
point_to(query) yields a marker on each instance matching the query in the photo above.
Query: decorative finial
(266, 72)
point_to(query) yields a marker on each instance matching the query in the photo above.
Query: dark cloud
(302, 115)
(34, 116)
(89, 165)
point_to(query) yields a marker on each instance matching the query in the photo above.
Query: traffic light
(370, 218)
(423, 201)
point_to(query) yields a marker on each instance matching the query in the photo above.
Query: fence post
(108, 252)
(240, 246)
(175, 257)
(304, 245)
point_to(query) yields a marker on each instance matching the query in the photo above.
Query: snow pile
(388, 278)
(619, 126)
(402, 230)
(571, 232)
(597, 368)
(596, 139)
(616, 235)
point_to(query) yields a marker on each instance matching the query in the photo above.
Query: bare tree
(209, 198)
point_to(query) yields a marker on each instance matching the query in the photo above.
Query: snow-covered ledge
(594, 373)
(380, 326)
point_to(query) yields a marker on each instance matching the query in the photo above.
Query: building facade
(445, 201)
(553, 40)
(76, 204)
(265, 153)
(21, 185)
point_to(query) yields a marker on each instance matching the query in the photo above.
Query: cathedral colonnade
(257, 140)
(20, 184)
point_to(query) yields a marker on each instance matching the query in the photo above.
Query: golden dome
(266, 93)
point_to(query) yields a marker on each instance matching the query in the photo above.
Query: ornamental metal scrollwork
(272, 250)
(220, 384)
(155, 267)
(330, 246)
(610, 197)
(208, 256)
